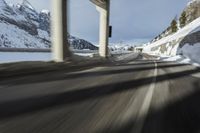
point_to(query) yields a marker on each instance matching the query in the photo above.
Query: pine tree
(183, 19)
(174, 27)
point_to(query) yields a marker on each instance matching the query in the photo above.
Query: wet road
(141, 96)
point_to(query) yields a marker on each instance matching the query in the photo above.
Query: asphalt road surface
(133, 96)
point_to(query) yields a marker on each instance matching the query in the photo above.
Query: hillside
(189, 14)
(185, 42)
(23, 27)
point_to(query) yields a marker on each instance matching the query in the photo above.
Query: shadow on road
(121, 70)
(181, 116)
(23, 106)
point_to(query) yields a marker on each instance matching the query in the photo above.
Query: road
(133, 96)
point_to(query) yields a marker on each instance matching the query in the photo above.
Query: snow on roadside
(188, 29)
(7, 57)
(169, 50)
(180, 59)
(126, 56)
(85, 54)
(188, 54)
(191, 51)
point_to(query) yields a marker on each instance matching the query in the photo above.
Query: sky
(132, 20)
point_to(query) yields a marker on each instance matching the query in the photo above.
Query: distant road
(129, 96)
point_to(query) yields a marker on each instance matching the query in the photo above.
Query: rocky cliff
(21, 26)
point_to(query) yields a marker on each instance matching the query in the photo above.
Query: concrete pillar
(59, 30)
(104, 29)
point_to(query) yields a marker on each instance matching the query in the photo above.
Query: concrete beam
(103, 6)
(100, 3)
(60, 45)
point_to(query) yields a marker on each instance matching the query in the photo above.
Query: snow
(191, 51)
(16, 16)
(2, 3)
(127, 56)
(6, 57)
(85, 54)
(188, 53)
(174, 58)
(45, 11)
(43, 34)
(180, 59)
(190, 28)
(27, 4)
(120, 52)
(14, 35)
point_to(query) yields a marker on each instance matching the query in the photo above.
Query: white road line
(146, 105)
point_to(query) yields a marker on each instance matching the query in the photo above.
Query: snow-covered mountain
(76, 43)
(21, 26)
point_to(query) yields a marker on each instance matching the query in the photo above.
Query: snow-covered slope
(17, 30)
(185, 42)
(76, 43)
(190, 13)
(168, 45)
(23, 27)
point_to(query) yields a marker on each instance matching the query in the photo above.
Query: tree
(174, 27)
(183, 19)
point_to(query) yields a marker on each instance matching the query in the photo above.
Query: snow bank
(180, 59)
(155, 47)
(191, 51)
(6, 57)
(185, 42)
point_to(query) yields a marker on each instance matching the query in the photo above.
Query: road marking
(146, 104)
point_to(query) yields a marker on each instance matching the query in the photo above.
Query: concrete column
(104, 29)
(59, 30)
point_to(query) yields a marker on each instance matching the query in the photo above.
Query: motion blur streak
(104, 99)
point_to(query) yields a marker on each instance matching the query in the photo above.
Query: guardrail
(24, 50)
(42, 50)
